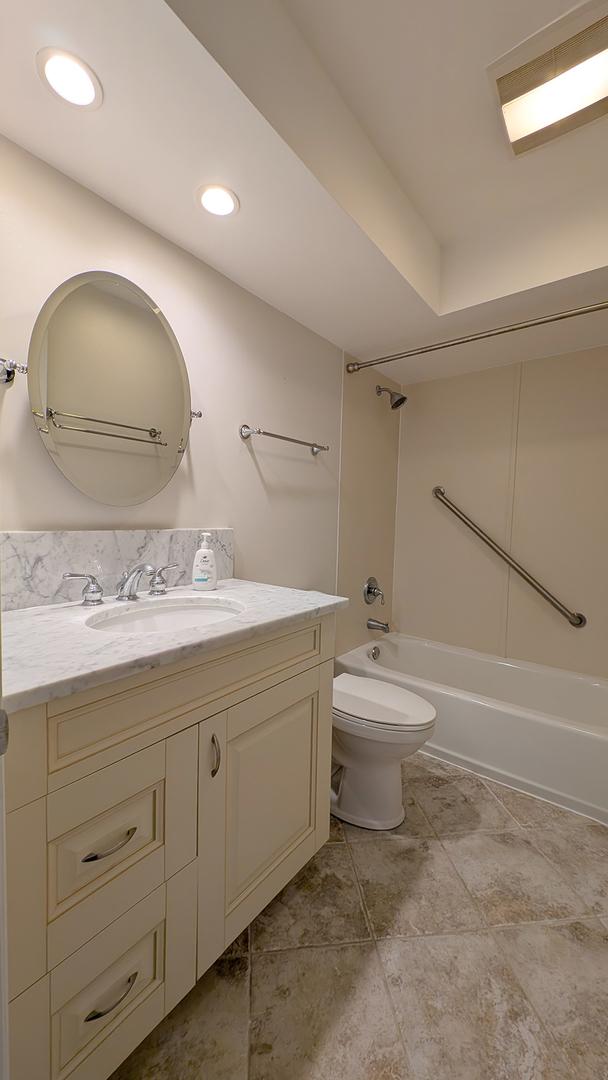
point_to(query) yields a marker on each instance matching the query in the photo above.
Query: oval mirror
(109, 388)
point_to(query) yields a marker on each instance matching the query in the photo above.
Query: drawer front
(117, 835)
(94, 721)
(97, 988)
(271, 781)
(113, 818)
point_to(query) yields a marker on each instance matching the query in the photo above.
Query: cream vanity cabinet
(148, 822)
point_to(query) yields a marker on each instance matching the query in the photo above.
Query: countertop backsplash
(33, 563)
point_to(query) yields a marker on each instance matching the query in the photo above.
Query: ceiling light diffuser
(569, 93)
(69, 78)
(557, 91)
(218, 200)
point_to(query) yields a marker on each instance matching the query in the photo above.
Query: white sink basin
(165, 616)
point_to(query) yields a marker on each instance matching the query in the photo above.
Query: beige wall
(524, 450)
(247, 364)
(368, 492)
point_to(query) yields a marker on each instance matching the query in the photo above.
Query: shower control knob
(371, 591)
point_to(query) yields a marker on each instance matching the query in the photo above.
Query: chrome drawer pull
(96, 1014)
(217, 750)
(95, 856)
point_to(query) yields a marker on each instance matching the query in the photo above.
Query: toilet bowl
(375, 726)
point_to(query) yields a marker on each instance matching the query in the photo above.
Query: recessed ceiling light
(70, 78)
(218, 200)
(558, 91)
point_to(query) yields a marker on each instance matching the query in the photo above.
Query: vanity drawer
(99, 826)
(56, 1031)
(116, 835)
(102, 984)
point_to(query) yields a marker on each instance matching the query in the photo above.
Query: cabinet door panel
(271, 792)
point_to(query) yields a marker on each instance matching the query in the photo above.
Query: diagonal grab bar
(575, 618)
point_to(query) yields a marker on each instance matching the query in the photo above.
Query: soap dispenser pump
(204, 570)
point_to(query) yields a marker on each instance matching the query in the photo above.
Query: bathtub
(539, 729)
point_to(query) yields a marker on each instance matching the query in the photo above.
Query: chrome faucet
(158, 584)
(375, 624)
(92, 594)
(129, 583)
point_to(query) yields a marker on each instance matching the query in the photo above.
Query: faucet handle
(158, 583)
(371, 591)
(92, 592)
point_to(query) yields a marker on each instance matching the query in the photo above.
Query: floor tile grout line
(432, 935)
(565, 880)
(563, 875)
(314, 945)
(500, 802)
(544, 1027)
(435, 836)
(473, 899)
(393, 1008)
(361, 894)
(423, 812)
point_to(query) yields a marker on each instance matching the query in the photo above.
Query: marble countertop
(48, 652)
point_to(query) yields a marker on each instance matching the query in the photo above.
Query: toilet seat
(371, 704)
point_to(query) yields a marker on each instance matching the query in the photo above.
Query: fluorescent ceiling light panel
(558, 91)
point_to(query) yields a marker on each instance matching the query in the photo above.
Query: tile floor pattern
(471, 943)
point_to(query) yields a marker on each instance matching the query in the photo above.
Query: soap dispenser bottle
(204, 570)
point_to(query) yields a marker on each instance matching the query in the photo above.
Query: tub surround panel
(524, 451)
(49, 653)
(368, 497)
(459, 433)
(33, 563)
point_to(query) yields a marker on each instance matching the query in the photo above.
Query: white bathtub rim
(374, 667)
(461, 650)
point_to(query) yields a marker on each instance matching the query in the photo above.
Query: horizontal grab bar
(575, 618)
(246, 432)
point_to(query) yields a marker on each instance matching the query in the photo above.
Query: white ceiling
(381, 204)
(415, 76)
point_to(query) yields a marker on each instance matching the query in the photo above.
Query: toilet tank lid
(380, 702)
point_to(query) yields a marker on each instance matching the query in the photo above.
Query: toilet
(375, 726)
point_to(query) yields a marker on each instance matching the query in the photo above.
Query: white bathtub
(536, 728)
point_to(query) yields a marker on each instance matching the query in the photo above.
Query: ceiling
(380, 202)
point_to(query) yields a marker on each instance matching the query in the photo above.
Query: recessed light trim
(69, 78)
(217, 199)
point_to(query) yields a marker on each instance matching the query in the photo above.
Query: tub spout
(375, 624)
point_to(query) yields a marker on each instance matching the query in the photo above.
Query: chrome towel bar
(51, 415)
(246, 432)
(575, 618)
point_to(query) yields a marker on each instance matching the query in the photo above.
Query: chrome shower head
(397, 400)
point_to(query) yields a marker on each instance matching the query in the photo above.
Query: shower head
(397, 400)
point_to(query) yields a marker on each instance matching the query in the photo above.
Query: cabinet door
(211, 840)
(271, 797)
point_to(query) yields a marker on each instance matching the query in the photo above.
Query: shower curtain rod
(557, 316)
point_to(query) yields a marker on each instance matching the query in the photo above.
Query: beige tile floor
(471, 943)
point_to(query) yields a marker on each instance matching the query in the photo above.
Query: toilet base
(369, 797)
(363, 823)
